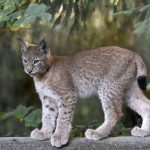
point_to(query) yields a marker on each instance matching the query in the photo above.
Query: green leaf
(24, 21)
(35, 9)
(2, 2)
(14, 15)
(46, 16)
(2, 16)
(20, 112)
(29, 19)
(137, 10)
(33, 119)
(4, 13)
(120, 130)
(78, 131)
(143, 26)
(18, 22)
(125, 12)
(7, 115)
(93, 124)
(10, 3)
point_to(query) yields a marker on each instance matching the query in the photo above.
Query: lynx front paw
(136, 131)
(39, 135)
(59, 140)
(92, 134)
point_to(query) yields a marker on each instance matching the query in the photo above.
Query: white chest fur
(44, 89)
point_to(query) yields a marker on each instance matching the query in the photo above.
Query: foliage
(15, 14)
(142, 17)
(32, 118)
(79, 130)
(29, 115)
(120, 130)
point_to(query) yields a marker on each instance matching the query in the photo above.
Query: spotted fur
(110, 72)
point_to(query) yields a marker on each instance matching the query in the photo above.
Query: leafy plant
(29, 115)
(79, 130)
(32, 118)
(142, 17)
(120, 130)
(15, 14)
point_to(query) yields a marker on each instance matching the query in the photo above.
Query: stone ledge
(114, 143)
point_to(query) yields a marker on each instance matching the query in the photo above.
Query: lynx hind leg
(112, 107)
(49, 115)
(140, 104)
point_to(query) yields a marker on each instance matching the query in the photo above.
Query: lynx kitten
(115, 74)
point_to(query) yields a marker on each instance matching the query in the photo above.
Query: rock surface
(114, 143)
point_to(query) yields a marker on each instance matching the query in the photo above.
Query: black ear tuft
(42, 46)
(23, 44)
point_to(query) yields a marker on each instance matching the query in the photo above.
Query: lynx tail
(141, 73)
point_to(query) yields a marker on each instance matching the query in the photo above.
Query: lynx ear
(42, 46)
(23, 44)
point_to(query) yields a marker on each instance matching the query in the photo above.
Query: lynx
(115, 74)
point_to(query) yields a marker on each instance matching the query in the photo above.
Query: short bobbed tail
(141, 73)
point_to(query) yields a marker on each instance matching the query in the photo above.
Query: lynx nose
(29, 70)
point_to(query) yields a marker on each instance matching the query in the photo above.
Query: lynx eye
(24, 61)
(36, 61)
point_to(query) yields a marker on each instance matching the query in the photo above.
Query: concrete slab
(114, 143)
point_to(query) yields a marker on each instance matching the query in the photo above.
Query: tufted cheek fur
(41, 67)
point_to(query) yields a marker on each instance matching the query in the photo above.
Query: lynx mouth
(32, 73)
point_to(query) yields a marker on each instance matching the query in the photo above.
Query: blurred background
(112, 22)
